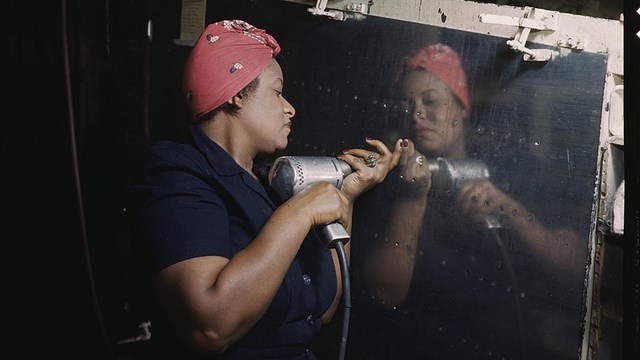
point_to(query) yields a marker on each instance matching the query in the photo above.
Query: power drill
(290, 174)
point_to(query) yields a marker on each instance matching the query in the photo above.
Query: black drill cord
(346, 297)
(516, 291)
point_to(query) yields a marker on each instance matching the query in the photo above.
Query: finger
(470, 197)
(466, 190)
(381, 150)
(368, 158)
(409, 153)
(379, 145)
(363, 154)
(466, 204)
(355, 161)
(398, 151)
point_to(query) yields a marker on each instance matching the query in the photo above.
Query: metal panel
(476, 293)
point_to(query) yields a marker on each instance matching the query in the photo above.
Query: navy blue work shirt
(195, 200)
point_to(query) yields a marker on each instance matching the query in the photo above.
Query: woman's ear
(462, 114)
(465, 113)
(237, 101)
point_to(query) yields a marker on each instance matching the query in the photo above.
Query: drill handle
(333, 232)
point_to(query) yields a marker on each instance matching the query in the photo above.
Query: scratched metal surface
(535, 126)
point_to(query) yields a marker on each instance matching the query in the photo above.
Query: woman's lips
(424, 131)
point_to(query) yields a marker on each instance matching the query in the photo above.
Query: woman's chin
(427, 148)
(282, 145)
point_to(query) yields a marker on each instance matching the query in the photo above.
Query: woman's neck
(220, 131)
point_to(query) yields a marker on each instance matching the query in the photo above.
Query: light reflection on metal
(545, 20)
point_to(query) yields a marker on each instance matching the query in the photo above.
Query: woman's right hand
(322, 203)
(413, 169)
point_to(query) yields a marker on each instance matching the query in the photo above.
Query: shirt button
(310, 320)
(307, 279)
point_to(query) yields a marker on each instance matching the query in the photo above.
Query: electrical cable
(346, 297)
(290, 174)
(76, 173)
(516, 288)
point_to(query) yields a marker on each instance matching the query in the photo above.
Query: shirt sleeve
(181, 215)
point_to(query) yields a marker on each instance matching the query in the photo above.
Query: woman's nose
(419, 113)
(288, 108)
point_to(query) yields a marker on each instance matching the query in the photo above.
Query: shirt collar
(220, 160)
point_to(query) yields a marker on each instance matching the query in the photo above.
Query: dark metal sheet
(476, 294)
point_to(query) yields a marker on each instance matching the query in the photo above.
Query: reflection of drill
(454, 173)
(290, 174)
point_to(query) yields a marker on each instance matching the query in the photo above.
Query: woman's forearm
(388, 270)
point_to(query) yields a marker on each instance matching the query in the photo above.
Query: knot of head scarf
(444, 63)
(227, 56)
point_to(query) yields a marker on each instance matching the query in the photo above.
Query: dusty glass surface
(496, 272)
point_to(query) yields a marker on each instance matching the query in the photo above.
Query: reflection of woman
(438, 263)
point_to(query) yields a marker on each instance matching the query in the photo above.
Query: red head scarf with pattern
(227, 56)
(444, 63)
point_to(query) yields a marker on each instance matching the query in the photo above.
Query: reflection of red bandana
(227, 56)
(444, 63)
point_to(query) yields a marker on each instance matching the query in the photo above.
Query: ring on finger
(420, 160)
(371, 161)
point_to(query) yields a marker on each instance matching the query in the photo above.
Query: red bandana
(444, 63)
(227, 56)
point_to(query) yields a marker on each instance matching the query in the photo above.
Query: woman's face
(268, 114)
(436, 118)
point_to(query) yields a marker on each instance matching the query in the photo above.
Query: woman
(233, 272)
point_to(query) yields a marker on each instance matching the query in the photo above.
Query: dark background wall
(68, 63)
(76, 121)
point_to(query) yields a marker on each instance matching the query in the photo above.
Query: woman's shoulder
(167, 151)
(168, 155)
(170, 147)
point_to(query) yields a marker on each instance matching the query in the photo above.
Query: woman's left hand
(481, 199)
(369, 167)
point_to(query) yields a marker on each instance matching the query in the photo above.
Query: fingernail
(345, 151)
(405, 142)
(368, 138)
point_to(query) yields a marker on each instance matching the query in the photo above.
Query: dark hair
(227, 108)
